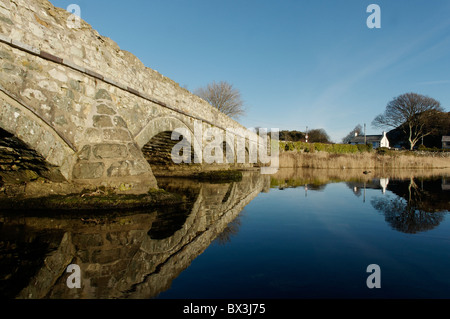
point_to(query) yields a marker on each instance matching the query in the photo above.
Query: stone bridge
(92, 110)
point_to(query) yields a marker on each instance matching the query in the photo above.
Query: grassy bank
(340, 156)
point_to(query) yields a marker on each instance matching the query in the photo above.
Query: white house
(376, 140)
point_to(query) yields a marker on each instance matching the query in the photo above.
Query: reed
(364, 160)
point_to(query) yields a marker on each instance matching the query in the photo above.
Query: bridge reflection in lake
(286, 245)
(134, 255)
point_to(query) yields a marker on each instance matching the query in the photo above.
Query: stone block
(6, 55)
(102, 121)
(88, 170)
(102, 94)
(116, 135)
(85, 152)
(119, 169)
(134, 150)
(92, 135)
(25, 47)
(4, 38)
(51, 57)
(58, 75)
(94, 74)
(120, 122)
(110, 151)
(104, 109)
(74, 66)
(75, 85)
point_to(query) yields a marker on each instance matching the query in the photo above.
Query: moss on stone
(98, 200)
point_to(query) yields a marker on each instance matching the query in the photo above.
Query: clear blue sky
(297, 63)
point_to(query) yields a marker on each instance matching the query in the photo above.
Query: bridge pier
(109, 154)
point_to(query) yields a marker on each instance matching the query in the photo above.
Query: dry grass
(324, 160)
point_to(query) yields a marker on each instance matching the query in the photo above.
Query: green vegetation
(102, 200)
(423, 148)
(322, 147)
(303, 147)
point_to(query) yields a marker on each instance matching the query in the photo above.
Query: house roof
(368, 138)
(445, 138)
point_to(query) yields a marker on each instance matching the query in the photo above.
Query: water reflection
(134, 255)
(411, 201)
(418, 205)
(138, 254)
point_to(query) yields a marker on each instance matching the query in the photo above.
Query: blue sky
(297, 63)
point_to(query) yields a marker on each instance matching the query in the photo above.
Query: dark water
(299, 243)
(284, 236)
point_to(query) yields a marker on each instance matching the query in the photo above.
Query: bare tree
(224, 97)
(358, 130)
(412, 113)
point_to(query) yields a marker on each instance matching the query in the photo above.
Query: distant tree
(224, 97)
(318, 136)
(357, 130)
(292, 136)
(438, 125)
(412, 112)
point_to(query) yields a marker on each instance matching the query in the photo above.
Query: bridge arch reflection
(137, 254)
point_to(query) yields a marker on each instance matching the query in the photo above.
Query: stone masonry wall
(101, 101)
(39, 24)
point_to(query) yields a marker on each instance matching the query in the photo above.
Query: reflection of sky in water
(294, 246)
(288, 241)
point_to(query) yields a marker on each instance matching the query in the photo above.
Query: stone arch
(20, 121)
(158, 125)
(160, 129)
(229, 152)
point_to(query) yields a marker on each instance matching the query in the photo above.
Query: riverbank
(364, 160)
(44, 194)
(99, 200)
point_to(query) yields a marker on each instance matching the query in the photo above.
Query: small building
(376, 140)
(446, 142)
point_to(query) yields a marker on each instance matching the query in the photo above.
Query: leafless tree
(412, 113)
(357, 130)
(224, 97)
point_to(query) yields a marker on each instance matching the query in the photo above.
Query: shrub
(384, 151)
(364, 148)
(422, 148)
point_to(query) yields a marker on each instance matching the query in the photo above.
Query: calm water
(293, 235)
